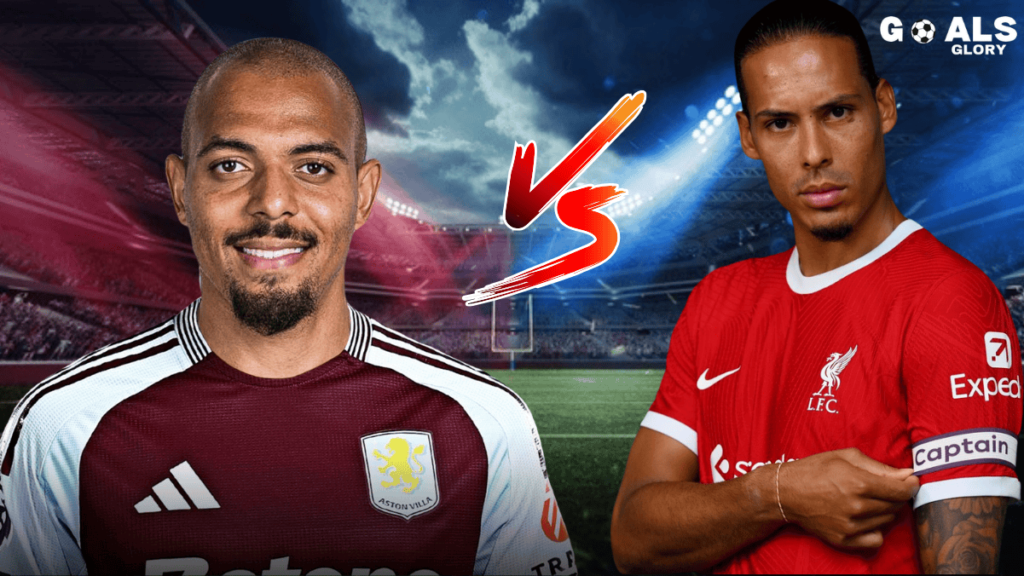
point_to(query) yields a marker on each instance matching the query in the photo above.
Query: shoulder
(933, 271)
(77, 396)
(428, 366)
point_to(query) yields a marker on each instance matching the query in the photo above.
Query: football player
(270, 427)
(850, 405)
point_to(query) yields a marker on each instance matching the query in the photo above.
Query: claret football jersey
(907, 353)
(154, 456)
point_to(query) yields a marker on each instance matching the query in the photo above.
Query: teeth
(271, 254)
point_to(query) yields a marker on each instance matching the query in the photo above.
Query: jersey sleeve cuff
(967, 488)
(673, 429)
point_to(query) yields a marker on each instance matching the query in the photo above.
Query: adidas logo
(172, 499)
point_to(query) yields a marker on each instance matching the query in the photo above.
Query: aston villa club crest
(401, 471)
(824, 399)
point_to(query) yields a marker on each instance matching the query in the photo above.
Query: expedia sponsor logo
(985, 37)
(975, 446)
(721, 470)
(997, 350)
(195, 566)
(964, 387)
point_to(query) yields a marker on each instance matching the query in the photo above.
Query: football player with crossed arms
(850, 405)
(270, 427)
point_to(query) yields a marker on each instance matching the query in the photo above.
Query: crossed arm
(666, 521)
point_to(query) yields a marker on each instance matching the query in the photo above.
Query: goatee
(274, 311)
(833, 233)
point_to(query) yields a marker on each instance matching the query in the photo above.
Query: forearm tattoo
(961, 535)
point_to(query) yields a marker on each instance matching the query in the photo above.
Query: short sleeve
(530, 536)
(962, 372)
(674, 411)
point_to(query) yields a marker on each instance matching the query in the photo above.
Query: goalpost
(512, 326)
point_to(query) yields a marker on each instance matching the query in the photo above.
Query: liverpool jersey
(154, 456)
(907, 353)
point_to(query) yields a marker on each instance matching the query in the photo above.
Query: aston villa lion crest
(401, 472)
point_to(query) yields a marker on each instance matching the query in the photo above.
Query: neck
(818, 256)
(310, 343)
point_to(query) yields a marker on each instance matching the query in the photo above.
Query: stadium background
(91, 99)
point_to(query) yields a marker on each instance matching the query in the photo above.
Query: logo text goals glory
(982, 37)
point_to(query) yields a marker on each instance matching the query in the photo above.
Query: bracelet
(778, 499)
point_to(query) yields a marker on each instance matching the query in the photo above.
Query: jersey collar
(186, 324)
(810, 284)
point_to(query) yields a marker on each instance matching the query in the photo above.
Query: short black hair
(277, 57)
(785, 20)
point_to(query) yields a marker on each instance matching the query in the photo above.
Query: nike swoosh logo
(703, 383)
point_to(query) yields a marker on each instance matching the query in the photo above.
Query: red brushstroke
(576, 209)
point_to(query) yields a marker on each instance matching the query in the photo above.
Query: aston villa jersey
(154, 456)
(907, 353)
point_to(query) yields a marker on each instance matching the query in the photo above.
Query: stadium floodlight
(703, 124)
(730, 91)
(736, 98)
(702, 140)
(717, 121)
(727, 110)
(720, 103)
(710, 130)
(712, 114)
(696, 134)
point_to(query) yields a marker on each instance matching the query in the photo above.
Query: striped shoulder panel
(395, 343)
(180, 331)
(359, 334)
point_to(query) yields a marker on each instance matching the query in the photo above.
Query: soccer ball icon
(923, 31)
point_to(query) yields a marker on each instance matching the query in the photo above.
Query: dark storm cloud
(381, 81)
(585, 57)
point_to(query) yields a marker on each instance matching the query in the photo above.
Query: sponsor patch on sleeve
(974, 446)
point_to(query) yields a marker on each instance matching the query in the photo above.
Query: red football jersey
(907, 353)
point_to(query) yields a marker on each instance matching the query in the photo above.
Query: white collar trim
(810, 284)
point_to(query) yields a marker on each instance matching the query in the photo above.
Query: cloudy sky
(449, 87)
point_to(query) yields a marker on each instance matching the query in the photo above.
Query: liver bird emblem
(830, 373)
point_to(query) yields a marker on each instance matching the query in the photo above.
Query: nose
(272, 194)
(815, 146)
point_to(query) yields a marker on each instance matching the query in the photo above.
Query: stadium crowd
(47, 327)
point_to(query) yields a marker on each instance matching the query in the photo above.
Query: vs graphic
(576, 209)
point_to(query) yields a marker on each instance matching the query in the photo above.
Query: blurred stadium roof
(104, 84)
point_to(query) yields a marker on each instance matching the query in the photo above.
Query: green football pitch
(587, 420)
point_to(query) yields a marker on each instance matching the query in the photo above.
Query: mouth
(266, 257)
(822, 196)
(271, 247)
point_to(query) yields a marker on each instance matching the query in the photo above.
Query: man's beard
(832, 233)
(272, 311)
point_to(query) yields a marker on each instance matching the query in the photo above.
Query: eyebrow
(218, 143)
(327, 147)
(842, 98)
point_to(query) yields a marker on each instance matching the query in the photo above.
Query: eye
(779, 124)
(228, 167)
(315, 168)
(839, 112)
